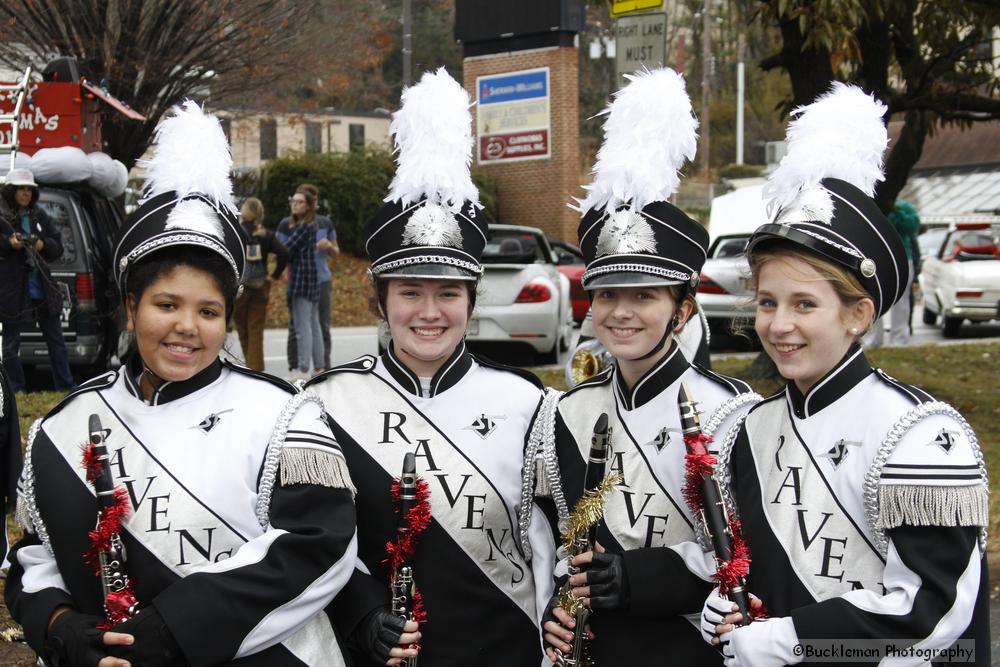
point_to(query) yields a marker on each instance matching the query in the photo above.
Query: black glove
(154, 645)
(75, 641)
(379, 633)
(560, 581)
(608, 582)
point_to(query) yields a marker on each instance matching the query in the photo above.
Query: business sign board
(640, 41)
(621, 7)
(513, 116)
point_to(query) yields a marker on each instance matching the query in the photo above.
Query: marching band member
(644, 257)
(239, 522)
(483, 564)
(863, 500)
(10, 453)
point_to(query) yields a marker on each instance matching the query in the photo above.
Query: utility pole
(740, 87)
(706, 83)
(407, 42)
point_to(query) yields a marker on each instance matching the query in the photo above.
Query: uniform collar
(169, 391)
(851, 370)
(667, 371)
(451, 371)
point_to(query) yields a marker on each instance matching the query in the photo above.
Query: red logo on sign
(531, 143)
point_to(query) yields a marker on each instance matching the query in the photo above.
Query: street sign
(622, 7)
(512, 116)
(640, 41)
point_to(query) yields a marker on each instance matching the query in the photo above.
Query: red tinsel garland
(109, 523)
(699, 464)
(401, 549)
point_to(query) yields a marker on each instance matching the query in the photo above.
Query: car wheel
(550, 357)
(929, 316)
(951, 326)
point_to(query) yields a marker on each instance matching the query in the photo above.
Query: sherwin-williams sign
(512, 118)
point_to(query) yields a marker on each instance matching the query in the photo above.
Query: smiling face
(630, 321)
(179, 323)
(427, 320)
(802, 322)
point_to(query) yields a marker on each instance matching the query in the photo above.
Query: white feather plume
(433, 136)
(840, 135)
(649, 134)
(191, 155)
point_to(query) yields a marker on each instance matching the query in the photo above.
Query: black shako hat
(188, 196)
(430, 225)
(426, 240)
(659, 245)
(630, 235)
(852, 231)
(821, 193)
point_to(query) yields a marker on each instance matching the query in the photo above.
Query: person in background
(298, 233)
(906, 221)
(28, 241)
(326, 247)
(251, 306)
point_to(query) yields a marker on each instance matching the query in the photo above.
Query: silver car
(724, 294)
(523, 299)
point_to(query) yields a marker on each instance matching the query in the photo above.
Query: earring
(855, 331)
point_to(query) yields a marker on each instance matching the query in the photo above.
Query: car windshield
(59, 213)
(930, 241)
(731, 246)
(972, 243)
(512, 247)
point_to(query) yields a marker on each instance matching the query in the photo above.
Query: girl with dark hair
(648, 571)
(863, 500)
(234, 504)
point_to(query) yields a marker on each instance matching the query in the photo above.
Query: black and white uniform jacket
(10, 453)
(243, 526)
(646, 518)
(862, 502)
(468, 427)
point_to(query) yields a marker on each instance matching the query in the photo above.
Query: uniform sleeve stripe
(333, 444)
(921, 466)
(942, 476)
(311, 434)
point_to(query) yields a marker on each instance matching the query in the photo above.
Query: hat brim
(429, 272)
(628, 279)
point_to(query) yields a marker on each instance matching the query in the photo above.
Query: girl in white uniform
(864, 500)
(240, 524)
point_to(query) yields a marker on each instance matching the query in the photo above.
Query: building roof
(954, 146)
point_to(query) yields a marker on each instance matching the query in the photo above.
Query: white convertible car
(523, 298)
(961, 281)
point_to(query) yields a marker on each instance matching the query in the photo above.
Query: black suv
(88, 224)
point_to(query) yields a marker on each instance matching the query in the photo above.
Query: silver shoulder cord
(541, 467)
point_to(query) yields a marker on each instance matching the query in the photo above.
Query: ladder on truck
(9, 142)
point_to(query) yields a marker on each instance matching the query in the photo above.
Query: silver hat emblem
(432, 225)
(867, 268)
(625, 232)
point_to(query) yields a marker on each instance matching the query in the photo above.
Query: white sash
(828, 552)
(462, 499)
(641, 513)
(166, 518)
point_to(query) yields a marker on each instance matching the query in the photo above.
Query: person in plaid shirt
(298, 233)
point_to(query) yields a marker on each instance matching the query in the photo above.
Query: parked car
(87, 224)
(524, 299)
(571, 264)
(723, 293)
(930, 241)
(962, 281)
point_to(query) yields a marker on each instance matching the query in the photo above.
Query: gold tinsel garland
(586, 513)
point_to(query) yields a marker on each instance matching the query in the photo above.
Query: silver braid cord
(723, 412)
(37, 525)
(274, 448)
(874, 475)
(723, 473)
(541, 443)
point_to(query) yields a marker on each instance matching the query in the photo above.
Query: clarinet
(715, 517)
(114, 578)
(579, 655)
(403, 587)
